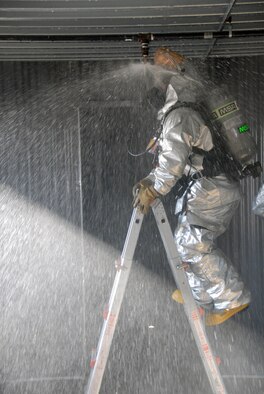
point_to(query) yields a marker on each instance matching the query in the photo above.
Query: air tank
(231, 122)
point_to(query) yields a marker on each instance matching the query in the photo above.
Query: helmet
(168, 59)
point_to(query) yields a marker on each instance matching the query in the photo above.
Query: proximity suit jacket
(184, 129)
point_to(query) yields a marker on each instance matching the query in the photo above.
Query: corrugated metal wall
(244, 240)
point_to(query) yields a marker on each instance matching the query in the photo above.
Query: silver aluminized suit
(211, 202)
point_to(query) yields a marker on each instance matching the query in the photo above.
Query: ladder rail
(190, 306)
(115, 302)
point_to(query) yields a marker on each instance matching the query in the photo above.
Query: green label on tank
(244, 128)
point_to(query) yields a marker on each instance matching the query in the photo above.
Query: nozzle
(145, 51)
(145, 39)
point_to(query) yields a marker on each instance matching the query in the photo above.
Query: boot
(213, 319)
(177, 296)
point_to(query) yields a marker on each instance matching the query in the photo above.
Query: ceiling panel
(108, 29)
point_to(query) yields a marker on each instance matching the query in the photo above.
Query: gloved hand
(144, 194)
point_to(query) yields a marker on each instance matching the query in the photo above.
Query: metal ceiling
(114, 29)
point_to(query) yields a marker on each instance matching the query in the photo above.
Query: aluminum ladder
(192, 311)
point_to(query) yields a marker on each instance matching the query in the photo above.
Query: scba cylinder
(230, 121)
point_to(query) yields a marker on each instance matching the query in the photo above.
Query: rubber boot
(213, 319)
(177, 296)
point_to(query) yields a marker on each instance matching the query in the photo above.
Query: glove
(144, 195)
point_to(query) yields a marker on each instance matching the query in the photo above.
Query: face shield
(171, 68)
(167, 63)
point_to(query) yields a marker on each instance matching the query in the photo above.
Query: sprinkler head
(145, 51)
(145, 39)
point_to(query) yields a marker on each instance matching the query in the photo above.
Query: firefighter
(208, 204)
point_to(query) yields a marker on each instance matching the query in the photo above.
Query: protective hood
(182, 87)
